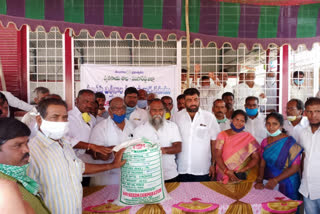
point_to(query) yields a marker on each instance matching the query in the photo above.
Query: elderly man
(207, 93)
(134, 114)
(256, 122)
(223, 87)
(198, 129)
(228, 98)
(309, 140)
(30, 118)
(164, 132)
(53, 163)
(109, 133)
(219, 110)
(142, 99)
(14, 158)
(295, 121)
(101, 99)
(248, 88)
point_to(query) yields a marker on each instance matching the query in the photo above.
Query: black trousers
(193, 178)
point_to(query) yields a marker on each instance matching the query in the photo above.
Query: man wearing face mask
(298, 89)
(81, 123)
(142, 99)
(14, 161)
(295, 121)
(166, 133)
(53, 163)
(109, 133)
(256, 122)
(219, 110)
(134, 114)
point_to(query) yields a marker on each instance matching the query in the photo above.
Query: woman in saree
(280, 161)
(236, 151)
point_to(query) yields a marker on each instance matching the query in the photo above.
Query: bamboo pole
(3, 82)
(188, 41)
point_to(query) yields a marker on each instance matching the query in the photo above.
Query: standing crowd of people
(53, 152)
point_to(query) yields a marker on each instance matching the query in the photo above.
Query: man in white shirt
(134, 114)
(166, 133)
(309, 140)
(224, 87)
(256, 122)
(142, 99)
(228, 99)
(30, 118)
(207, 94)
(271, 88)
(180, 102)
(101, 99)
(295, 121)
(81, 123)
(299, 89)
(17, 103)
(53, 163)
(111, 132)
(248, 88)
(167, 101)
(198, 129)
(219, 110)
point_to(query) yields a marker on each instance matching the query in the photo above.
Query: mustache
(27, 155)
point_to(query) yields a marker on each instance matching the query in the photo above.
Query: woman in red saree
(236, 151)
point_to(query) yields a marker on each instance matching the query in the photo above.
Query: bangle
(88, 147)
(225, 171)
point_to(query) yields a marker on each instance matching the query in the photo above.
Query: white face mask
(54, 130)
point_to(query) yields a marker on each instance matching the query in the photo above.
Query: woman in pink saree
(236, 151)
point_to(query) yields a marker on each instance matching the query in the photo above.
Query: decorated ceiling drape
(250, 22)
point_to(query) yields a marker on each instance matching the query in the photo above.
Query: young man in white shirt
(219, 110)
(53, 163)
(134, 114)
(295, 121)
(228, 98)
(256, 122)
(166, 133)
(248, 88)
(198, 129)
(299, 89)
(111, 132)
(309, 140)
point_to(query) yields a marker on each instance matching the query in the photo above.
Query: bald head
(117, 106)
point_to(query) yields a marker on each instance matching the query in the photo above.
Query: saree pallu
(278, 156)
(236, 150)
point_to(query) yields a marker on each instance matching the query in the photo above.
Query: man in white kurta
(111, 132)
(299, 88)
(295, 122)
(198, 129)
(309, 140)
(134, 114)
(166, 133)
(256, 122)
(246, 89)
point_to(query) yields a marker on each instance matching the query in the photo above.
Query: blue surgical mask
(142, 103)
(298, 82)
(129, 111)
(235, 129)
(252, 112)
(276, 133)
(118, 119)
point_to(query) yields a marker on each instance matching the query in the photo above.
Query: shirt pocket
(202, 132)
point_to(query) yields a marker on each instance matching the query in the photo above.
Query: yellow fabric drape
(171, 186)
(196, 206)
(177, 211)
(151, 209)
(239, 207)
(109, 207)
